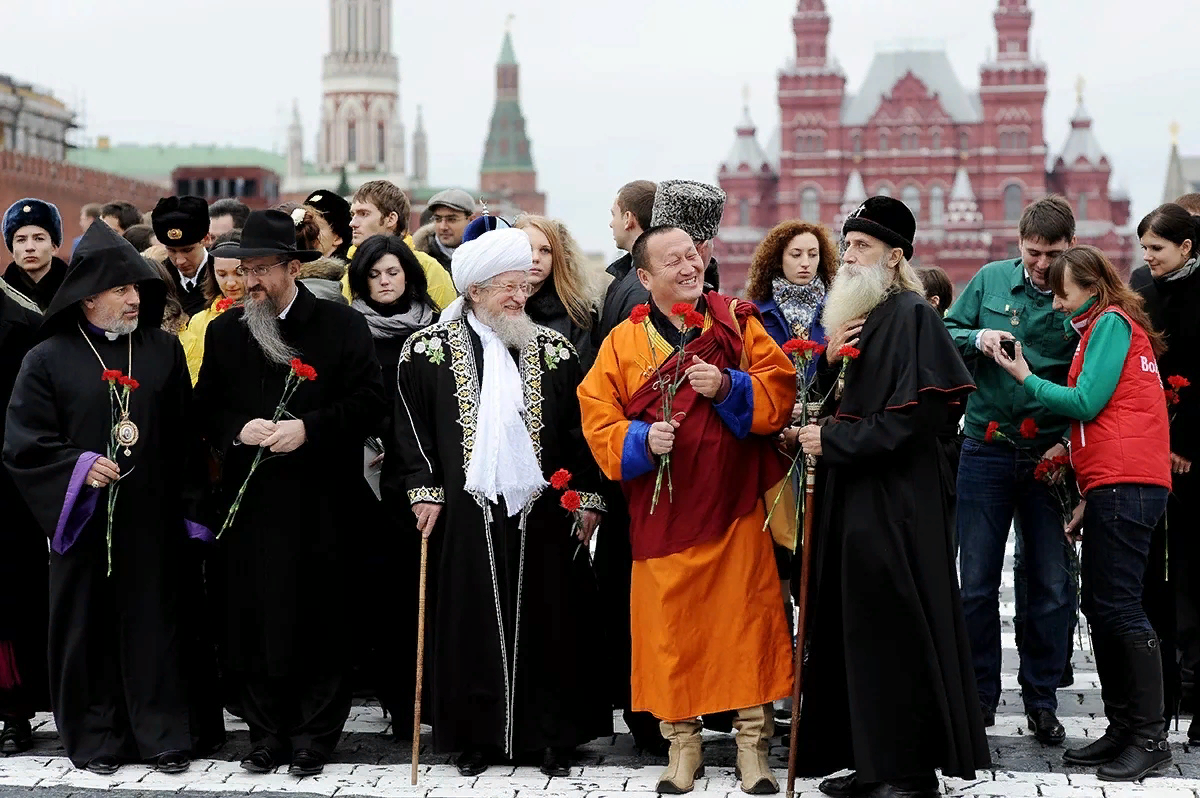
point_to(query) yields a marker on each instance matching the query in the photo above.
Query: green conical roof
(507, 56)
(507, 147)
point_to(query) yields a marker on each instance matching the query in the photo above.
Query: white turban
(479, 260)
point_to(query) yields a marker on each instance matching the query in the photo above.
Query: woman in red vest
(1120, 450)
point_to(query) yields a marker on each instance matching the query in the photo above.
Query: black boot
(1148, 749)
(1114, 692)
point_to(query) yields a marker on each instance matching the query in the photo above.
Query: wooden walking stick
(416, 732)
(810, 483)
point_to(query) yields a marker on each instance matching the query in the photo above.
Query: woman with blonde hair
(223, 285)
(563, 295)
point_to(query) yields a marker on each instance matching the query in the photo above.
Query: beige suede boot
(754, 729)
(685, 761)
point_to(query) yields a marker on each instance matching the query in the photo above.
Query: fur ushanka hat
(36, 212)
(695, 208)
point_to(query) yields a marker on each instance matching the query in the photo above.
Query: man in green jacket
(1010, 300)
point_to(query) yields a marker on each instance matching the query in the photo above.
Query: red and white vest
(1129, 442)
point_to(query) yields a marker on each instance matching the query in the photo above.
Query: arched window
(911, 196)
(963, 140)
(810, 205)
(744, 212)
(1081, 213)
(352, 140)
(1013, 203)
(380, 144)
(856, 143)
(937, 205)
(883, 191)
(883, 142)
(936, 140)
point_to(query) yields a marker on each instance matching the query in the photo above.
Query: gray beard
(514, 331)
(856, 291)
(262, 319)
(123, 327)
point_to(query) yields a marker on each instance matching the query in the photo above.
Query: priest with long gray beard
(283, 563)
(889, 664)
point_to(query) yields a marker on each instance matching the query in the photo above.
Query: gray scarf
(415, 318)
(1182, 272)
(447, 251)
(799, 303)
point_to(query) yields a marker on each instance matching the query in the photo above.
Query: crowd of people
(220, 423)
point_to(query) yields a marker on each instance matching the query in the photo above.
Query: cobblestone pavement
(368, 763)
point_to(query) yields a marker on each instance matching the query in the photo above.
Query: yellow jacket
(192, 338)
(441, 287)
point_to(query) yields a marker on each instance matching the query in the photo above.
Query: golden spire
(746, 94)
(1079, 84)
(508, 21)
(1174, 128)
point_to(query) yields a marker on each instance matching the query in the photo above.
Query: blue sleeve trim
(737, 409)
(635, 455)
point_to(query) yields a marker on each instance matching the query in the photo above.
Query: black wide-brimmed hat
(268, 233)
(887, 219)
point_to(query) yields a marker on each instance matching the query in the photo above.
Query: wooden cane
(810, 483)
(416, 732)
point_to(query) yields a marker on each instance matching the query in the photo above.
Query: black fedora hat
(269, 233)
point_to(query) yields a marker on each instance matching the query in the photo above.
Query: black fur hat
(180, 221)
(887, 219)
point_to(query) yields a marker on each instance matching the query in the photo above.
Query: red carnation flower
(224, 304)
(1178, 382)
(1171, 396)
(795, 345)
(111, 375)
(681, 309)
(993, 428)
(303, 370)
(693, 320)
(128, 382)
(849, 352)
(570, 501)
(560, 479)
(1029, 429)
(817, 349)
(640, 313)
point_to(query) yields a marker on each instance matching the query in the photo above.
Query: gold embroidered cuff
(592, 501)
(434, 495)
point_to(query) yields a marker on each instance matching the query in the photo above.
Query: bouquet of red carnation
(299, 373)
(1175, 385)
(570, 501)
(847, 353)
(119, 437)
(690, 319)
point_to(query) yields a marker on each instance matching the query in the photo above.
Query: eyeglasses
(512, 289)
(452, 218)
(259, 271)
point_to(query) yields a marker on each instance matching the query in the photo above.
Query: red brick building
(966, 162)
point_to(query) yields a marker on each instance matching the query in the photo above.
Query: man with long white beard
(892, 692)
(486, 414)
(282, 563)
(99, 443)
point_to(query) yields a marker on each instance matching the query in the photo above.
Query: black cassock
(285, 579)
(514, 642)
(889, 687)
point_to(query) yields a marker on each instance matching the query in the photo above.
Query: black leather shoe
(1068, 677)
(555, 762)
(103, 765)
(16, 738)
(1138, 760)
(888, 791)
(989, 717)
(306, 763)
(1045, 726)
(172, 762)
(472, 763)
(845, 787)
(260, 760)
(1101, 752)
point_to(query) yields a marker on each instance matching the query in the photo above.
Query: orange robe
(708, 628)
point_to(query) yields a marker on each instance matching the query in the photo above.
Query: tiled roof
(156, 161)
(931, 67)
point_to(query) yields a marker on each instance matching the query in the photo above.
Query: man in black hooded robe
(117, 649)
(889, 686)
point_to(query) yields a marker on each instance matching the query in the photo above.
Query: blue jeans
(995, 482)
(1117, 523)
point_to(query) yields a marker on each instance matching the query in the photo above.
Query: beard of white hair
(856, 291)
(514, 331)
(262, 318)
(116, 323)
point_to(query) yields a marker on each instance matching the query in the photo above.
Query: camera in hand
(1009, 348)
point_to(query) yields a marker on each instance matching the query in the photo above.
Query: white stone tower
(420, 165)
(360, 111)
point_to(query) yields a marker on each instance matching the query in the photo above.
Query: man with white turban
(487, 433)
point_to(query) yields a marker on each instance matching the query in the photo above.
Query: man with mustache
(284, 561)
(891, 690)
(486, 414)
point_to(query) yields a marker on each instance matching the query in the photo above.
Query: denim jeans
(995, 481)
(1020, 588)
(1117, 524)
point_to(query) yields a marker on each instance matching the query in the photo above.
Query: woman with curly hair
(564, 296)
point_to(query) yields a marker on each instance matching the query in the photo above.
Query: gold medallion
(1015, 321)
(174, 234)
(126, 434)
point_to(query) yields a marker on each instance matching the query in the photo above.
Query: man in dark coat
(100, 409)
(285, 554)
(181, 225)
(32, 233)
(24, 688)
(489, 412)
(891, 690)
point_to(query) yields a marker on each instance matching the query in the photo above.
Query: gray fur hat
(695, 208)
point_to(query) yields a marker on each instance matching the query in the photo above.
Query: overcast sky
(611, 91)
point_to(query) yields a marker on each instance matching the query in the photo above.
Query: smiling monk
(709, 633)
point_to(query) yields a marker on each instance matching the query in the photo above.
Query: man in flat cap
(451, 209)
(181, 224)
(32, 233)
(893, 693)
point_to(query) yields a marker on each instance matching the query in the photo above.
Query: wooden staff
(416, 732)
(810, 484)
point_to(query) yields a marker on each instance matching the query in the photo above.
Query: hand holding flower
(588, 521)
(102, 473)
(661, 438)
(287, 437)
(256, 431)
(810, 440)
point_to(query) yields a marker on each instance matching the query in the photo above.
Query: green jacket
(999, 297)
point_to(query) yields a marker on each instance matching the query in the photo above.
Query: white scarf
(502, 462)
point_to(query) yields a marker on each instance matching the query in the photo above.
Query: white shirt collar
(295, 293)
(189, 283)
(1033, 285)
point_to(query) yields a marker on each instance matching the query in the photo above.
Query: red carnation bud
(224, 304)
(1029, 429)
(639, 314)
(571, 502)
(1171, 396)
(681, 308)
(849, 352)
(129, 382)
(1178, 382)
(993, 429)
(693, 320)
(793, 346)
(560, 479)
(111, 375)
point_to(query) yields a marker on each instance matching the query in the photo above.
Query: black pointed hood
(105, 260)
